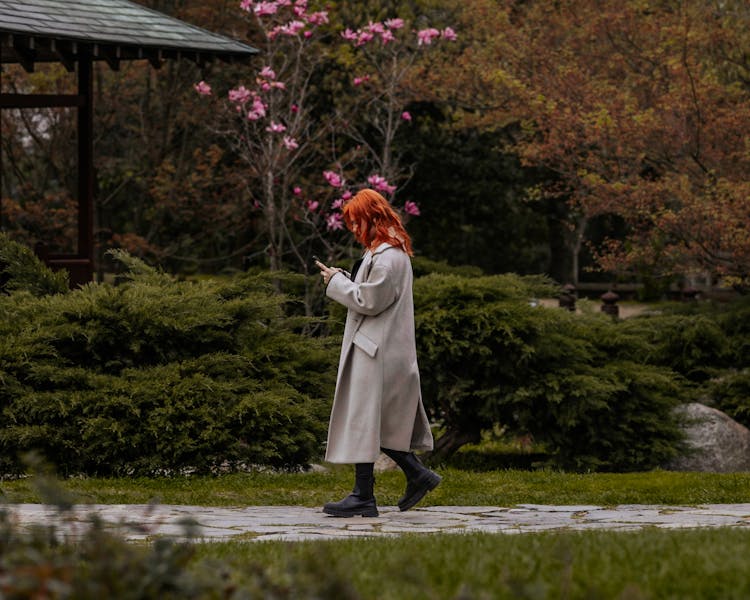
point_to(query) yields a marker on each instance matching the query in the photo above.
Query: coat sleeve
(370, 297)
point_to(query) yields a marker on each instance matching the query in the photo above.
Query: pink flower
(364, 37)
(265, 8)
(297, 190)
(334, 221)
(291, 28)
(346, 195)
(333, 179)
(406, 115)
(448, 34)
(276, 127)
(425, 36)
(294, 108)
(312, 205)
(284, 3)
(375, 27)
(267, 73)
(203, 88)
(290, 143)
(240, 95)
(381, 184)
(318, 18)
(307, 34)
(258, 110)
(394, 23)
(337, 203)
(361, 80)
(411, 208)
(387, 36)
(246, 5)
(349, 35)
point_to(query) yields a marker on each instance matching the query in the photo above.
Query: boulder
(715, 442)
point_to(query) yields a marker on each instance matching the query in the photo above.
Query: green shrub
(578, 384)
(20, 269)
(693, 345)
(156, 375)
(731, 394)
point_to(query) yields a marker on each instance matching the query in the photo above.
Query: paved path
(293, 523)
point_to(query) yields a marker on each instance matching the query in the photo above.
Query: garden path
(295, 523)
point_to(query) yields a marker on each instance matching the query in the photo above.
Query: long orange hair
(382, 222)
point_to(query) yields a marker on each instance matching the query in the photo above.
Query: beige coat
(378, 400)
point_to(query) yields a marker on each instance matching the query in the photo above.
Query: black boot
(362, 499)
(419, 479)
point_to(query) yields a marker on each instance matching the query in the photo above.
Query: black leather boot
(419, 479)
(362, 499)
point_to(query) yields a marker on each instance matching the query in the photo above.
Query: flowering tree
(303, 161)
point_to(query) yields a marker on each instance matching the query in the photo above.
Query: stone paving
(295, 523)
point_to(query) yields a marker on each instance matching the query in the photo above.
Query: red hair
(383, 223)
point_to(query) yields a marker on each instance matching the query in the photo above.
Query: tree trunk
(448, 443)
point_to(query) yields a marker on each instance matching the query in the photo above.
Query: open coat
(378, 399)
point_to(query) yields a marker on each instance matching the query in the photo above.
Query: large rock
(716, 442)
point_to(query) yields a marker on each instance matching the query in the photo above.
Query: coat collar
(381, 248)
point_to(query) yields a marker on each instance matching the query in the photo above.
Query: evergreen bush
(578, 384)
(20, 269)
(730, 393)
(157, 375)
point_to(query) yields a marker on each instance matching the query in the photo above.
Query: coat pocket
(365, 344)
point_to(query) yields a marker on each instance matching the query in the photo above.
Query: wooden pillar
(85, 167)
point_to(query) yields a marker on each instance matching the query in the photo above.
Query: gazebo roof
(112, 30)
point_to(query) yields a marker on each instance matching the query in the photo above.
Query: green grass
(653, 563)
(459, 487)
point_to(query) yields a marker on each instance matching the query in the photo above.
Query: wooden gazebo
(76, 33)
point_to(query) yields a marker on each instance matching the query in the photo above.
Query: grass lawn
(459, 488)
(653, 563)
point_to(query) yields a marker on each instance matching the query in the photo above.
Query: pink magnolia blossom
(318, 18)
(290, 143)
(276, 127)
(263, 9)
(381, 184)
(293, 27)
(411, 208)
(240, 95)
(312, 205)
(361, 80)
(363, 37)
(265, 86)
(334, 221)
(258, 110)
(375, 27)
(337, 203)
(394, 23)
(425, 36)
(349, 35)
(333, 179)
(267, 73)
(448, 34)
(307, 34)
(203, 88)
(387, 36)
(246, 5)
(406, 115)
(346, 195)
(294, 108)
(296, 190)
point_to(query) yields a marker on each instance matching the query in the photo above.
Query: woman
(378, 402)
